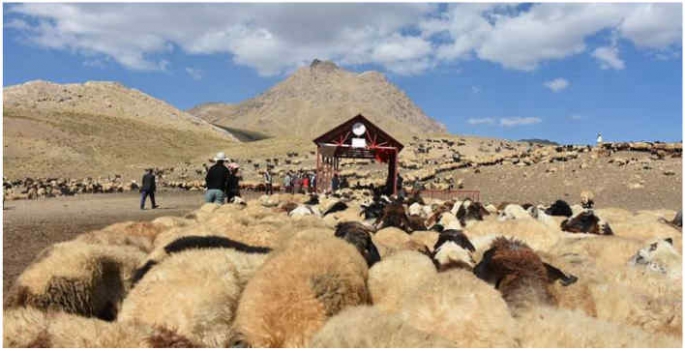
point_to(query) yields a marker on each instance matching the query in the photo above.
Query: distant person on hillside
(313, 182)
(599, 138)
(233, 182)
(268, 182)
(148, 189)
(217, 180)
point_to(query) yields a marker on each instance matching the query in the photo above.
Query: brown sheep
(394, 215)
(298, 289)
(519, 274)
(586, 222)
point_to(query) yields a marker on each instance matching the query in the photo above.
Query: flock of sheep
(356, 270)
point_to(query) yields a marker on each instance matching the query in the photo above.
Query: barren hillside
(319, 97)
(97, 128)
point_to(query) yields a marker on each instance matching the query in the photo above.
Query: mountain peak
(323, 65)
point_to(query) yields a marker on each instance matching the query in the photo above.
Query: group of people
(299, 182)
(222, 181)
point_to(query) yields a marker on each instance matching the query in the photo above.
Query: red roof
(341, 136)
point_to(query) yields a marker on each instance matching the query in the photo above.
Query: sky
(555, 71)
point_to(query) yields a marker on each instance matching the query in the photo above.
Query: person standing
(305, 183)
(217, 180)
(599, 139)
(148, 189)
(400, 186)
(268, 182)
(313, 182)
(335, 182)
(286, 182)
(233, 183)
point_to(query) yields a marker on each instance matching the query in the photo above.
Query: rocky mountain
(53, 130)
(319, 97)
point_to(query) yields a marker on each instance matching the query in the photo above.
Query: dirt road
(30, 226)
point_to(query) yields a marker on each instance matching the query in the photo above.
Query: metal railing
(451, 194)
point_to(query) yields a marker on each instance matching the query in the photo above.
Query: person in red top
(305, 183)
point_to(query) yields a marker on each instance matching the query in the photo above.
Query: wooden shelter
(355, 138)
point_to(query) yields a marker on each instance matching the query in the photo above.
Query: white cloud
(557, 85)
(505, 122)
(518, 121)
(406, 38)
(475, 89)
(608, 58)
(194, 73)
(475, 121)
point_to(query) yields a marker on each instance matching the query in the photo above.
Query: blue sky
(556, 71)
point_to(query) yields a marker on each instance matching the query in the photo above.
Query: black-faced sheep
(335, 207)
(470, 211)
(300, 287)
(78, 278)
(452, 250)
(359, 235)
(586, 222)
(29, 328)
(559, 208)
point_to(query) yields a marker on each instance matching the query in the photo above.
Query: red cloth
(383, 155)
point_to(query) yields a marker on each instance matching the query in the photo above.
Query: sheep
(559, 208)
(535, 233)
(137, 234)
(587, 199)
(549, 327)
(335, 207)
(512, 212)
(586, 222)
(195, 242)
(391, 237)
(351, 328)
(459, 307)
(387, 291)
(302, 285)
(304, 210)
(84, 279)
(30, 327)
(452, 250)
(194, 292)
(360, 236)
(415, 209)
(660, 257)
(519, 273)
(394, 216)
(539, 214)
(470, 211)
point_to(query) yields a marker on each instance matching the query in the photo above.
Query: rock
(669, 172)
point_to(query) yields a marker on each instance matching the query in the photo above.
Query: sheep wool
(387, 289)
(297, 289)
(29, 327)
(79, 278)
(458, 306)
(137, 234)
(194, 292)
(352, 328)
(550, 327)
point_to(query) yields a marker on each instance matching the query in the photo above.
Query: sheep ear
(554, 273)
(669, 240)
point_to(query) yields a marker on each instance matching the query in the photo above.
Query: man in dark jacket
(233, 184)
(148, 189)
(216, 180)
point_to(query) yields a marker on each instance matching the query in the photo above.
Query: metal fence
(451, 194)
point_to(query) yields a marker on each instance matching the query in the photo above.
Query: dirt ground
(31, 225)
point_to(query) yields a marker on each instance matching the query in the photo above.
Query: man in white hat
(216, 180)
